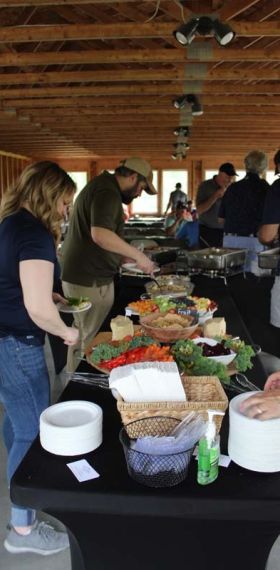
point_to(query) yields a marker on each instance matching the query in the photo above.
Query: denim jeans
(253, 247)
(24, 392)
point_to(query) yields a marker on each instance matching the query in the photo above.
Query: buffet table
(115, 523)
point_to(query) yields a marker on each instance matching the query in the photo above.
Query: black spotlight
(223, 33)
(196, 106)
(182, 131)
(181, 146)
(204, 26)
(186, 33)
(192, 100)
(180, 102)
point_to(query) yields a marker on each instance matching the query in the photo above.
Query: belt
(240, 235)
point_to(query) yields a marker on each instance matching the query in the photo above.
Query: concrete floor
(57, 561)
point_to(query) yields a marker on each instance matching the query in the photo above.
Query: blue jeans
(25, 393)
(253, 247)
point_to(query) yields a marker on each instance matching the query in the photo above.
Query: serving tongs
(98, 380)
(239, 383)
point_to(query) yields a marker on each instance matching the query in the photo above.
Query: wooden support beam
(172, 89)
(168, 55)
(178, 73)
(68, 32)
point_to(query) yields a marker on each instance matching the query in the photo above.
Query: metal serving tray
(214, 258)
(269, 259)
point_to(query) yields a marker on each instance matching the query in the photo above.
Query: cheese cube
(121, 327)
(214, 327)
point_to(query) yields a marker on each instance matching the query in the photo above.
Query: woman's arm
(36, 277)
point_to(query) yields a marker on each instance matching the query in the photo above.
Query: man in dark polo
(208, 201)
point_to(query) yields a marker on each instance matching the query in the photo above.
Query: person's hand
(71, 336)
(220, 192)
(57, 298)
(145, 263)
(262, 406)
(273, 382)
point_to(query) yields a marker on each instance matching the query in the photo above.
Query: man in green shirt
(94, 247)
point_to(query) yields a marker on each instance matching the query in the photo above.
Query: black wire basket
(146, 468)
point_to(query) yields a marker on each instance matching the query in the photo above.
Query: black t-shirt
(242, 205)
(271, 213)
(22, 237)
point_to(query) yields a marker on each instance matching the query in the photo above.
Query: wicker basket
(203, 393)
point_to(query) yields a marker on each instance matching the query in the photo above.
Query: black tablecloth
(114, 522)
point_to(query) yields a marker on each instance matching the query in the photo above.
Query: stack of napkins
(148, 382)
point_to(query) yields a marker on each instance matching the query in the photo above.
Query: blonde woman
(30, 217)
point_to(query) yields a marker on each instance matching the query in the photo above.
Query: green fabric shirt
(98, 204)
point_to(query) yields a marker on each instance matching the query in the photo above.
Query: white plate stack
(71, 428)
(253, 444)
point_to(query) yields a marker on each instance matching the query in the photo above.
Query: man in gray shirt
(208, 201)
(176, 196)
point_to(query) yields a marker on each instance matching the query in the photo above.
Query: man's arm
(205, 205)
(268, 233)
(110, 241)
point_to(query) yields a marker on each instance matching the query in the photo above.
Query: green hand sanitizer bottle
(209, 452)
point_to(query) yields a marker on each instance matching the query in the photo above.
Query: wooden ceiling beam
(235, 112)
(179, 73)
(38, 3)
(167, 55)
(233, 8)
(68, 32)
(172, 89)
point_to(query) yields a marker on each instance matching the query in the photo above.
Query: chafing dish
(269, 259)
(213, 258)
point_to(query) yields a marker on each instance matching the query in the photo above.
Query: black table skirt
(114, 522)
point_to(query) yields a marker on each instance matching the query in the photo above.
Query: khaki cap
(142, 167)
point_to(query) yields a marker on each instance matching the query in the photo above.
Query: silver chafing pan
(269, 258)
(214, 258)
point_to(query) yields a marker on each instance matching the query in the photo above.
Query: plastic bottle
(209, 452)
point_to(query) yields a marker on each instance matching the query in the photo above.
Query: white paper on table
(148, 382)
(82, 470)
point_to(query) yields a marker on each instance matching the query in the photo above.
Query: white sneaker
(43, 539)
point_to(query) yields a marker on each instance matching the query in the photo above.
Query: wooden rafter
(83, 32)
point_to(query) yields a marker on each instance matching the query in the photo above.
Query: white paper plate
(70, 309)
(253, 444)
(132, 267)
(225, 359)
(71, 428)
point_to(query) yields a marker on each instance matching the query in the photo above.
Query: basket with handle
(203, 393)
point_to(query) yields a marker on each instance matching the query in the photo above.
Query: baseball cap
(142, 167)
(228, 168)
(276, 159)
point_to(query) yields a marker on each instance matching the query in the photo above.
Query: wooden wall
(11, 165)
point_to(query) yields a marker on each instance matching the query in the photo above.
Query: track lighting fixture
(192, 100)
(204, 25)
(178, 155)
(182, 131)
(181, 146)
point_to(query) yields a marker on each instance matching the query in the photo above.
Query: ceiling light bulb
(186, 32)
(180, 102)
(223, 33)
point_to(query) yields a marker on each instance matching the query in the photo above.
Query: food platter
(106, 337)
